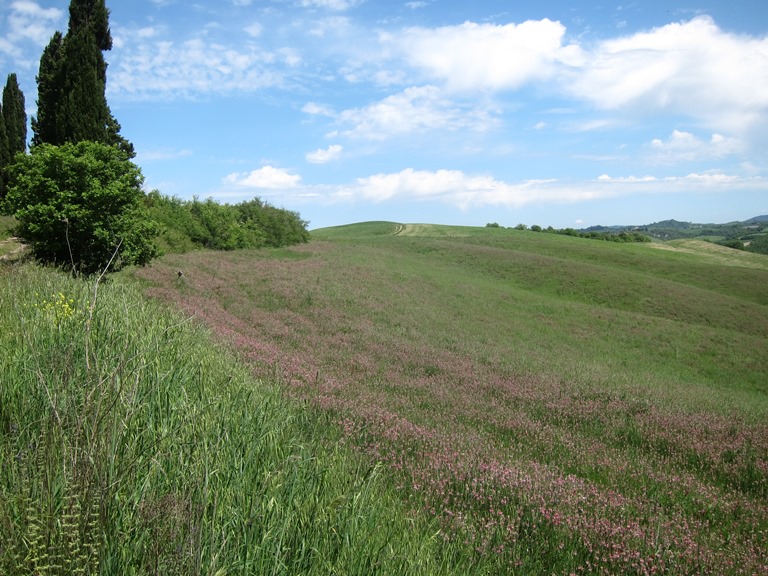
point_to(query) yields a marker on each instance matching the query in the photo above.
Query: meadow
(389, 399)
(555, 404)
(133, 443)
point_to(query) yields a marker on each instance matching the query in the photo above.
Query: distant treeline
(623, 236)
(194, 224)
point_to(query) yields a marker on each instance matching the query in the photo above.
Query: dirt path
(17, 248)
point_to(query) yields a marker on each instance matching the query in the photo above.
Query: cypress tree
(5, 157)
(49, 91)
(15, 116)
(72, 105)
(83, 112)
(93, 16)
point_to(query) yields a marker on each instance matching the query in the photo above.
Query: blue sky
(536, 112)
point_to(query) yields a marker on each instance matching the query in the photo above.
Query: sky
(556, 113)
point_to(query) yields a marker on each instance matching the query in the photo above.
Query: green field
(501, 401)
(530, 391)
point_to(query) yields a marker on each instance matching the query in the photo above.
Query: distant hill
(750, 235)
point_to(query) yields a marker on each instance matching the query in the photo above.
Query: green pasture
(390, 399)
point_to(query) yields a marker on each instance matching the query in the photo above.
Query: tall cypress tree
(49, 93)
(72, 105)
(91, 15)
(5, 158)
(15, 116)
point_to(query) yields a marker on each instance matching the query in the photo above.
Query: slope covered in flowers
(568, 406)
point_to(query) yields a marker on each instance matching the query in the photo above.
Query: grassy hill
(557, 403)
(395, 399)
(750, 235)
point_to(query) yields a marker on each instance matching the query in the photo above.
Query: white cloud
(450, 186)
(333, 5)
(315, 109)
(321, 156)
(685, 146)
(464, 191)
(479, 57)
(266, 178)
(693, 182)
(165, 69)
(163, 154)
(290, 56)
(416, 109)
(254, 30)
(329, 26)
(692, 68)
(28, 22)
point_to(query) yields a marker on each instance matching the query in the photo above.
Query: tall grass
(131, 443)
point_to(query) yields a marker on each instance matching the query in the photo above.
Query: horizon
(548, 113)
(625, 225)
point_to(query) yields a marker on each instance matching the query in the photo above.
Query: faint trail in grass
(10, 248)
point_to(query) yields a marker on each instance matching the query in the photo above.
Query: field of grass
(132, 443)
(557, 405)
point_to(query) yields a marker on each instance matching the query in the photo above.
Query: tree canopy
(81, 206)
(14, 116)
(71, 82)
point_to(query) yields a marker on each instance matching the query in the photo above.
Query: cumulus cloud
(478, 57)
(686, 146)
(692, 68)
(465, 191)
(416, 109)
(321, 156)
(452, 187)
(265, 178)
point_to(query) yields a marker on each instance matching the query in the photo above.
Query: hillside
(561, 404)
(735, 234)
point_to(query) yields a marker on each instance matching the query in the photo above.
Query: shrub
(759, 245)
(80, 206)
(188, 225)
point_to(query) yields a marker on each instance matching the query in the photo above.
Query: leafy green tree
(72, 104)
(758, 245)
(15, 116)
(188, 225)
(281, 227)
(81, 206)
